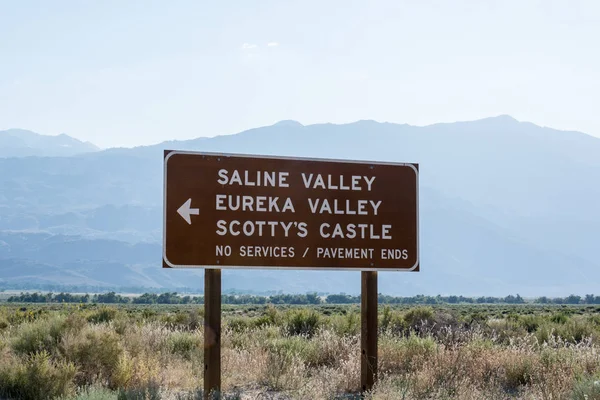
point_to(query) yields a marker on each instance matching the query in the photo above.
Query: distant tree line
(56, 288)
(572, 299)
(294, 299)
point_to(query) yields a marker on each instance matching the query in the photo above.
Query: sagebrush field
(54, 351)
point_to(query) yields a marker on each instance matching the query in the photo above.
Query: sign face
(239, 211)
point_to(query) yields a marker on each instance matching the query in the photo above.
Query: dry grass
(297, 354)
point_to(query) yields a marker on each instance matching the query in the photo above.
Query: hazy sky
(123, 73)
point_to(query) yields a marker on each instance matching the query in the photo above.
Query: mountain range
(23, 143)
(505, 207)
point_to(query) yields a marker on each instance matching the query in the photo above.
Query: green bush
(195, 318)
(3, 342)
(280, 357)
(120, 325)
(302, 321)
(186, 344)
(530, 322)
(544, 333)
(393, 321)
(124, 371)
(559, 318)
(518, 372)
(586, 390)
(75, 322)
(150, 392)
(40, 335)
(476, 318)
(417, 316)
(403, 354)
(93, 393)
(190, 320)
(345, 325)
(96, 352)
(575, 330)
(37, 377)
(321, 350)
(239, 324)
(198, 394)
(291, 345)
(148, 313)
(594, 320)
(386, 318)
(270, 316)
(102, 315)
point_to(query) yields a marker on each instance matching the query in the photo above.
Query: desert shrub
(75, 322)
(93, 393)
(150, 338)
(345, 325)
(135, 373)
(290, 354)
(25, 314)
(329, 349)
(174, 320)
(36, 377)
(186, 344)
(575, 330)
(120, 325)
(3, 323)
(404, 354)
(262, 321)
(239, 324)
(505, 330)
(302, 321)
(544, 333)
(102, 315)
(190, 320)
(530, 322)
(150, 392)
(96, 351)
(386, 317)
(594, 320)
(476, 318)
(392, 321)
(148, 313)
(284, 363)
(417, 317)
(198, 394)
(487, 352)
(325, 348)
(3, 342)
(588, 389)
(124, 372)
(40, 335)
(270, 317)
(559, 318)
(519, 370)
(293, 345)
(195, 318)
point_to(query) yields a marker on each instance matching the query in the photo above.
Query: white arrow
(185, 211)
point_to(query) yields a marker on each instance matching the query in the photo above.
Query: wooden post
(368, 331)
(212, 334)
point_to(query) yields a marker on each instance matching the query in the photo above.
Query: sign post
(244, 211)
(212, 333)
(368, 329)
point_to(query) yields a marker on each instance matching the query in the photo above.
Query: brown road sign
(242, 211)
